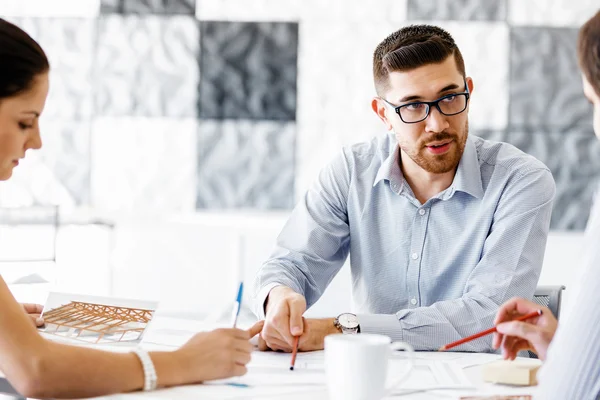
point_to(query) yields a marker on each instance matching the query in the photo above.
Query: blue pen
(237, 384)
(237, 306)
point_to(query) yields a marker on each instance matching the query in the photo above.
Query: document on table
(269, 377)
(271, 370)
(173, 332)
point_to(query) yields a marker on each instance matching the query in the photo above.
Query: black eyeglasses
(418, 111)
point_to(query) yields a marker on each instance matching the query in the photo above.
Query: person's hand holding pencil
(534, 334)
(533, 314)
(285, 328)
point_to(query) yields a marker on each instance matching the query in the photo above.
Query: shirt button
(421, 212)
(413, 301)
(415, 256)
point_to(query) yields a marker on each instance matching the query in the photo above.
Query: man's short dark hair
(588, 50)
(412, 47)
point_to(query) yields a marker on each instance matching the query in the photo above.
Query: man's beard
(438, 164)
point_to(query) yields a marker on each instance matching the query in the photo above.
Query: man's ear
(469, 81)
(380, 109)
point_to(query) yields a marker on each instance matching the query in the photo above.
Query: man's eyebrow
(412, 97)
(449, 87)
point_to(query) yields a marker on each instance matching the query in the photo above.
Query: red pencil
(294, 352)
(487, 332)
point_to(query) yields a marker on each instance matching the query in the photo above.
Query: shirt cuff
(259, 303)
(383, 324)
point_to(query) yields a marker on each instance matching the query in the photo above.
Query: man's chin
(440, 165)
(441, 169)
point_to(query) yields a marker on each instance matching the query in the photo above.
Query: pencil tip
(443, 348)
(291, 368)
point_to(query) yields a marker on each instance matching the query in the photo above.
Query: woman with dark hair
(41, 368)
(572, 352)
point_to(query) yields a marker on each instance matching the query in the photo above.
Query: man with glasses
(441, 227)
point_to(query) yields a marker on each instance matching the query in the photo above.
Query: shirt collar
(390, 169)
(468, 174)
(467, 178)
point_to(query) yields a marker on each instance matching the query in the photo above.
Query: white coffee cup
(356, 366)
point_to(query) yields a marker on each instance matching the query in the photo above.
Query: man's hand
(534, 334)
(312, 339)
(283, 320)
(34, 311)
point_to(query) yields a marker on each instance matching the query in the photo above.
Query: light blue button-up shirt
(430, 273)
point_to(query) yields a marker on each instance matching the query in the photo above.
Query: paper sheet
(173, 332)
(271, 370)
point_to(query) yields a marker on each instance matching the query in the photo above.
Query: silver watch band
(150, 378)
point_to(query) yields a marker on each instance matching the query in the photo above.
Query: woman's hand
(534, 334)
(219, 354)
(34, 311)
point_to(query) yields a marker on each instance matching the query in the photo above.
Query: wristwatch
(347, 323)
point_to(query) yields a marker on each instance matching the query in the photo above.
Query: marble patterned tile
(320, 141)
(545, 82)
(457, 10)
(169, 7)
(68, 43)
(248, 70)
(572, 156)
(143, 164)
(59, 173)
(147, 66)
(66, 151)
(563, 13)
(245, 164)
(47, 9)
(338, 112)
(301, 10)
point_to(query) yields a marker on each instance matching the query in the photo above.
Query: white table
(296, 392)
(280, 383)
(167, 333)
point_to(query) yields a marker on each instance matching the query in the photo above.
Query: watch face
(348, 321)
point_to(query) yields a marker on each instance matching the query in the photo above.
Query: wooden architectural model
(95, 323)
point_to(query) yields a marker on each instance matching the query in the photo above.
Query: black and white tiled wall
(171, 106)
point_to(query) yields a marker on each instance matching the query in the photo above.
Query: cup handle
(411, 362)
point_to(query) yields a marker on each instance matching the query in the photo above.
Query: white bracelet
(149, 371)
